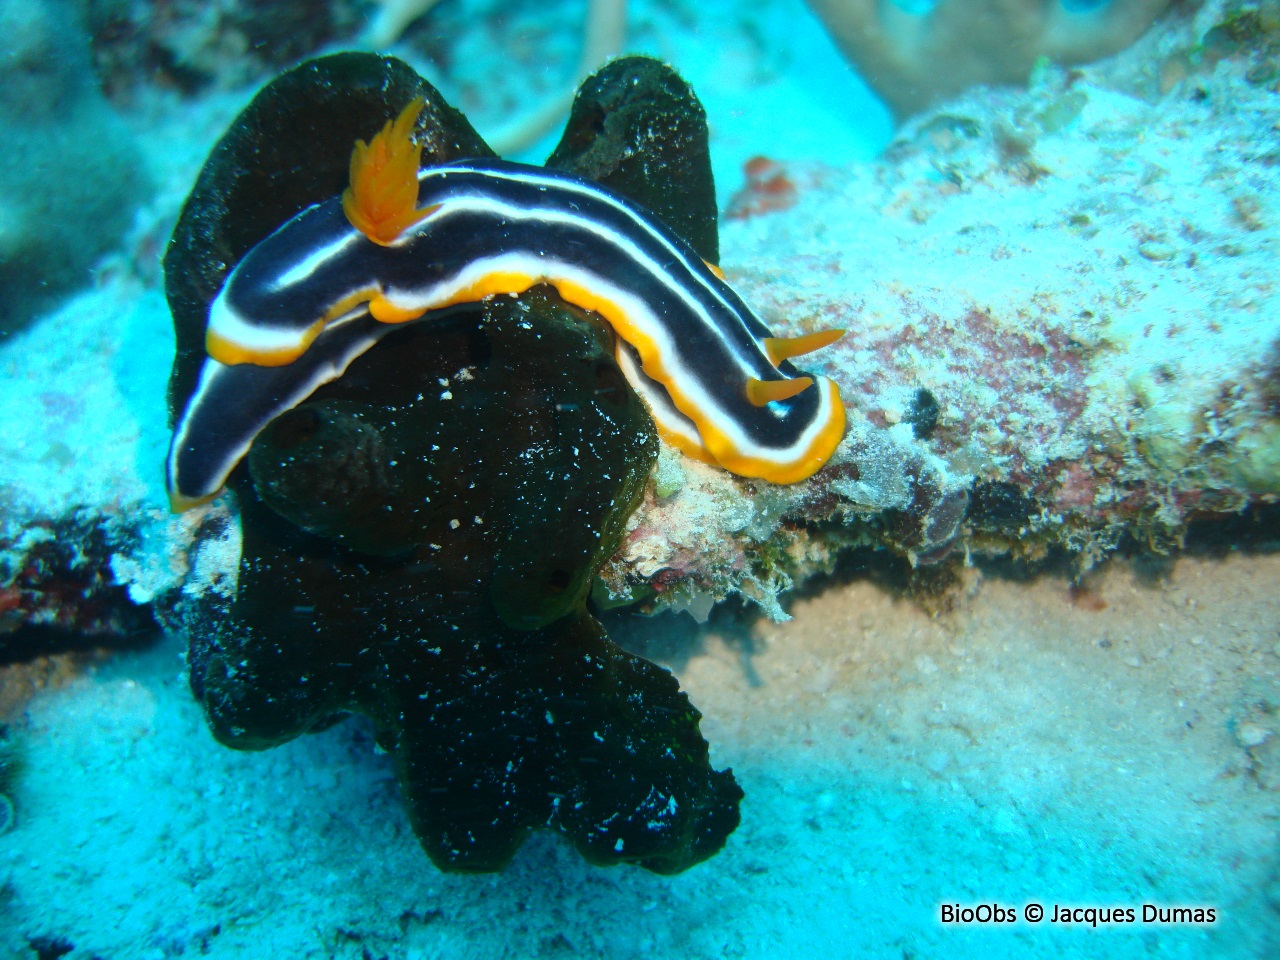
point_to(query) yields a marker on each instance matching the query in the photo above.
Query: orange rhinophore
(760, 392)
(784, 348)
(382, 198)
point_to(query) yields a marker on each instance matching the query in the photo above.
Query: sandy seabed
(1031, 744)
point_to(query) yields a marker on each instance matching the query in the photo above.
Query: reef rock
(1062, 320)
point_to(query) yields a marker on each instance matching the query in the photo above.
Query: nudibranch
(403, 243)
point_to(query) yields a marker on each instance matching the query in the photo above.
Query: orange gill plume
(381, 200)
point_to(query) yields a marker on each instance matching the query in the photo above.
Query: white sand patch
(1019, 748)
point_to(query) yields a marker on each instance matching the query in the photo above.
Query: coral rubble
(57, 591)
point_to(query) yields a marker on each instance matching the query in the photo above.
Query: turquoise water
(1014, 646)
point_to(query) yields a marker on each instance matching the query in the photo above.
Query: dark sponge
(419, 539)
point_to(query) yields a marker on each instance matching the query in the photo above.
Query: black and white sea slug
(403, 243)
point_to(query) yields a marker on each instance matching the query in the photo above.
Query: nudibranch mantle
(318, 292)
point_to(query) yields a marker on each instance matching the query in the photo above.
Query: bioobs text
(1092, 916)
